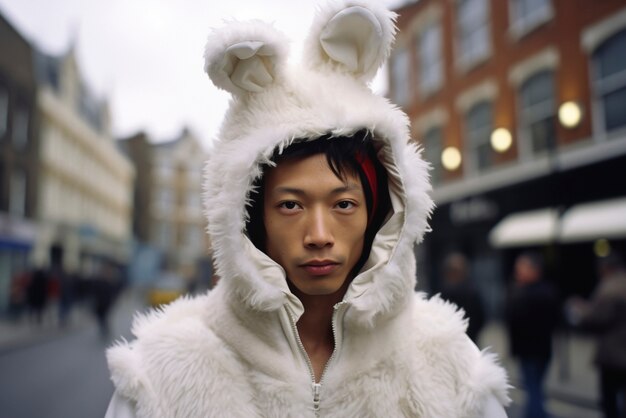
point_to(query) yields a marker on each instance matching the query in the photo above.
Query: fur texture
(235, 352)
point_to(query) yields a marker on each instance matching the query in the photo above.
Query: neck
(315, 326)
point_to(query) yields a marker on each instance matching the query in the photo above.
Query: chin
(316, 287)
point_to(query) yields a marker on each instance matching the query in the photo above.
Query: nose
(318, 230)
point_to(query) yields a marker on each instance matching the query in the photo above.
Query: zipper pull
(316, 397)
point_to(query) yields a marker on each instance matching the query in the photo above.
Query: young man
(315, 198)
(532, 311)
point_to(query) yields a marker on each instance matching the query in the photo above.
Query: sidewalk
(571, 384)
(25, 332)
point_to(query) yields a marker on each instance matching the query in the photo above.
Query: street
(66, 376)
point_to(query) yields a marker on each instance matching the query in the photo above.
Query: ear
(351, 36)
(245, 57)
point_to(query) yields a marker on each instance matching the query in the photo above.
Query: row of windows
(473, 43)
(537, 111)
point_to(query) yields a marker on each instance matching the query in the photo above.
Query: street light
(570, 114)
(501, 139)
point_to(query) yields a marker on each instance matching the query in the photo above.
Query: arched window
(400, 76)
(430, 59)
(609, 80)
(537, 112)
(472, 31)
(478, 126)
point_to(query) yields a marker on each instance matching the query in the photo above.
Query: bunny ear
(351, 36)
(245, 57)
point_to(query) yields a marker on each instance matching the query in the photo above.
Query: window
(609, 64)
(165, 170)
(433, 147)
(528, 14)
(194, 237)
(473, 31)
(430, 56)
(164, 237)
(478, 125)
(17, 198)
(165, 200)
(4, 110)
(537, 112)
(193, 200)
(20, 127)
(400, 76)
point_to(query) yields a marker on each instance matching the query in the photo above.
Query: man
(605, 315)
(314, 199)
(532, 311)
(458, 289)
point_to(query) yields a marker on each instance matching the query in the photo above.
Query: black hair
(341, 155)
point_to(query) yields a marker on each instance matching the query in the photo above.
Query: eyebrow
(299, 192)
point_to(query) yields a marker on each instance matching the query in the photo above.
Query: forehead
(311, 171)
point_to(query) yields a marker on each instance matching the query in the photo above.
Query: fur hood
(275, 103)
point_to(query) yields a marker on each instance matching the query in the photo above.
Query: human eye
(346, 205)
(289, 206)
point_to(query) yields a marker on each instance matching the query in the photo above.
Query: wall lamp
(570, 114)
(451, 158)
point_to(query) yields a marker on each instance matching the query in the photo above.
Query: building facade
(85, 184)
(19, 151)
(168, 213)
(520, 106)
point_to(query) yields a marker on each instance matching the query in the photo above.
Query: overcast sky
(145, 56)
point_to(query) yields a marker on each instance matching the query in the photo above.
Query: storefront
(572, 217)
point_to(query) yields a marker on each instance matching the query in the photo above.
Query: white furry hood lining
(274, 104)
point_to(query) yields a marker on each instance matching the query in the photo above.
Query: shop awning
(591, 221)
(520, 229)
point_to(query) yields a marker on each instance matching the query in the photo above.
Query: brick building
(520, 106)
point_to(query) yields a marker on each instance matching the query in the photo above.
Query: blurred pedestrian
(532, 314)
(66, 293)
(458, 288)
(105, 288)
(605, 315)
(37, 294)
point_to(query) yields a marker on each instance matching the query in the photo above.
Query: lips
(320, 267)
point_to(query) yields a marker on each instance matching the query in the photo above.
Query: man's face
(525, 271)
(315, 223)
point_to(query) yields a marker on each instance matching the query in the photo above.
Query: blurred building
(85, 184)
(19, 155)
(65, 189)
(168, 213)
(520, 106)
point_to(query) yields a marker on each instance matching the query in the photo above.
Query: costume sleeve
(493, 408)
(120, 407)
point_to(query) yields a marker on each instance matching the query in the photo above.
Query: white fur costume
(235, 352)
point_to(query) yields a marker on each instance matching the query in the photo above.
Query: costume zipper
(317, 387)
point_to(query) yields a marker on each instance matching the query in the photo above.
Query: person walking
(532, 312)
(459, 289)
(605, 315)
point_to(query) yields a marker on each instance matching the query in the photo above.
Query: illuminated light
(451, 158)
(501, 139)
(570, 114)
(602, 247)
